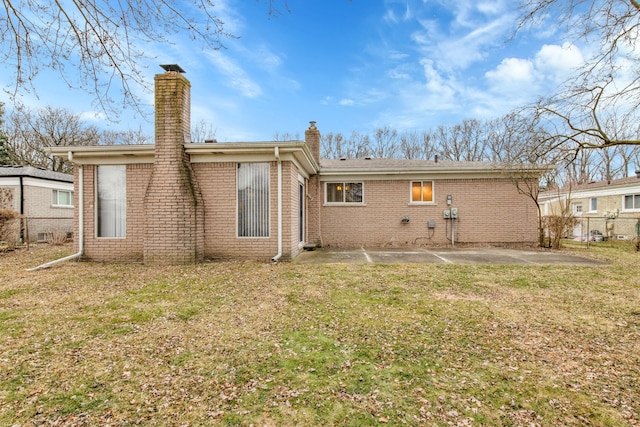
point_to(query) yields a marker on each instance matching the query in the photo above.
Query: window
(593, 204)
(344, 192)
(422, 192)
(62, 198)
(577, 208)
(253, 199)
(112, 200)
(632, 201)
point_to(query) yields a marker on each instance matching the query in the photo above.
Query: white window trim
(268, 236)
(433, 192)
(591, 211)
(97, 207)
(574, 211)
(57, 205)
(635, 209)
(344, 183)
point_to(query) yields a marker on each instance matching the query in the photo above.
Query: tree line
(26, 133)
(516, 138)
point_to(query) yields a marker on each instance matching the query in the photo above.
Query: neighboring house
(44, 199)
(182, 202)
(607, 208)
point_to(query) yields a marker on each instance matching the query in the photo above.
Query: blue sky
(351, 66)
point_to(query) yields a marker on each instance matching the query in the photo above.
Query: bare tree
(30, 131)
(411, 146)
(103, 41)
(385, 143)
(604, 93)
(202, 131)
(4, 153)
(125, 137)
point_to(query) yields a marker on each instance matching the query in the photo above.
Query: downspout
(23, 225)
(80, 225)
(279, 254)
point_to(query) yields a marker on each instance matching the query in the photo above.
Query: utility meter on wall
(454, 213)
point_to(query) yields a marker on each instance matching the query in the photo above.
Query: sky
(351, 66)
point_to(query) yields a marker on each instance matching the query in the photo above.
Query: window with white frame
(344, 192)
(421, 191)
(111, 190)
(577, 208)
(632, 202)
(253, 199)
(62, 198)
(593, 204)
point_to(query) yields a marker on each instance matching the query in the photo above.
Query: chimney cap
(172, 67)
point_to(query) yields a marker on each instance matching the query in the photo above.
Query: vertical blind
(253, 200)
(112, 201)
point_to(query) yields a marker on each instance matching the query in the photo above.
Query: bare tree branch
(104, 41)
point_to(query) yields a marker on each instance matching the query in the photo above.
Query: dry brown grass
(243, 343)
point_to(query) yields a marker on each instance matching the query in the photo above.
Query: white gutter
(279, 254)
(80, 225)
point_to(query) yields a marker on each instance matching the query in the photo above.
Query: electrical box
(431, 224)
(454, 213)
(447, 213)
(449, 198)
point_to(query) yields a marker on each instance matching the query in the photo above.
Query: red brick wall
(218, 186)
(489, 211)
(123, 249)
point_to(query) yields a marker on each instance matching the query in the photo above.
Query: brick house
(610, 208)
(181, 202)
(44, 198)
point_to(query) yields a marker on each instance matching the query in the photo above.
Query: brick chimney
(312, 138)
(173, 203)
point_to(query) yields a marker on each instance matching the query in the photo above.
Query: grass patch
(252, 343)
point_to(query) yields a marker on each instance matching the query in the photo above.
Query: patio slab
(495, 256)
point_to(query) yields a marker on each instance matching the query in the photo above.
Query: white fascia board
(604, 192)
(297, 152)
(106, 154)
(44, 183)
(9, 181)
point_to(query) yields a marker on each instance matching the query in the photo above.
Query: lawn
(244, 343)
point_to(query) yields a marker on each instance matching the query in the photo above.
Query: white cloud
(512, 71)
(93, 116)
(346, 102)
(235, 75)
(557, 62)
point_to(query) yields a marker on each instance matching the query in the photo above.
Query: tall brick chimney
(312, 138)
(173, 203)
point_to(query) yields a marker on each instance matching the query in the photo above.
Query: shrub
(9, 227)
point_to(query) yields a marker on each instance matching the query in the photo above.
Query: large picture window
(344, 192)
(253, 199)
(422, 192)
(112, 200)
